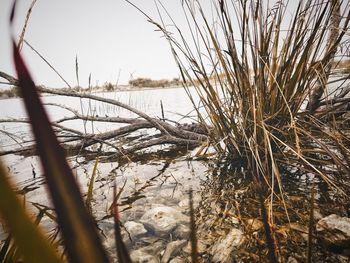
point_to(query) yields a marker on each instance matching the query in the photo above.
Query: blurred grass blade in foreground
(89, 195)
(193, 236)
(30, 241)
(122, 252)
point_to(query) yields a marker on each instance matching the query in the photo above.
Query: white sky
(108, 37)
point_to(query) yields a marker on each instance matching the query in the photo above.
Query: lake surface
(175, 103)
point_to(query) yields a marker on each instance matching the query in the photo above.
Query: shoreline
(120, 88)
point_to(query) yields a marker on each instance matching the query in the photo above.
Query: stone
(139, 256)
(182, 232)
(107, 228)
(201, 247)
(155, 248)
(177, 260)
(184, 203)
(172, 249)
(163, 220)
(135, 229)
(222, 250)
(334, 231)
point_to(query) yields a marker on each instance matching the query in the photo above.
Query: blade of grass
(21, 38)
(29, 239)
(47, 62)
(193, 236)
(122, 252)
(89, 195)
(311, 225)
(5, 248)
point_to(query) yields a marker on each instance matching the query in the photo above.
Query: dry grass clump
(271, 97)
(266, 83)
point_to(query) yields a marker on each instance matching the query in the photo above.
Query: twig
(21, 38)
(48, 63)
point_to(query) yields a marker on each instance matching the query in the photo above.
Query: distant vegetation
(150, 83)
(107, 86)
(9, 93)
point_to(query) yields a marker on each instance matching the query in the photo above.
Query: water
(163, 181)
(26, 170)
(13, 135)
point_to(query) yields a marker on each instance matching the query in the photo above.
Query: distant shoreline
(13, 93)
(133, 85)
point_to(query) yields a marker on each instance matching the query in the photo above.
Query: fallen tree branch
(189, 135)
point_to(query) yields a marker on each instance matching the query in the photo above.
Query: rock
(171, 249)
(182, 232)
(222, 250)
(139, 256)
(135, 229)
(184, 203)
(154, 248)
(177, 260)
(148, 240)
(163, 219)
(334, 231)
(107, 228)
(133, 214)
